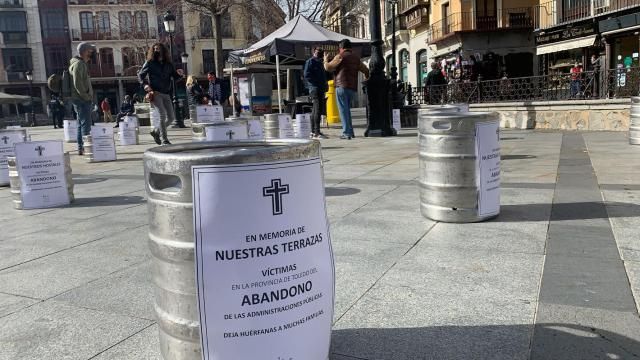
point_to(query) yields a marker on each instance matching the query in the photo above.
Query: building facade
(412, 31)
(572, 31)
(122, 31)
(21, 51)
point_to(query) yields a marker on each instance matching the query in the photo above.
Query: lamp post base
(378, 107)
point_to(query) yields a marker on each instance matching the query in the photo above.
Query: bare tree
(312, 9)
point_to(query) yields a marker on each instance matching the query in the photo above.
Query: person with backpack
(81, 89)
(155, 76)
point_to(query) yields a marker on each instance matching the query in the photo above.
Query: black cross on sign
(276, 190)
(104, 131)
(5, 139)
(39, 149)
(230, 134)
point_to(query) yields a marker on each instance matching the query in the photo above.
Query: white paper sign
(131, 120)
(254, 129)
(396, 120)
(128, 134)
(264, 264)
(209, 114)
(104, 148)
(488, 168)
(303, 126)
(41, 169)
(70, 130)
(7, 140)
(226, 132)
(286, 127)
(154, 115)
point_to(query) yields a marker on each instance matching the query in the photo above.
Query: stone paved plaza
(555, 276)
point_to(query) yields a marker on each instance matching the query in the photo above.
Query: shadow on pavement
(82, 181)
(340, 191)
(566, 211)
(108, 201)
(517, 157)
(491, 342)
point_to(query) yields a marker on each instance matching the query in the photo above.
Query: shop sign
(565, 34)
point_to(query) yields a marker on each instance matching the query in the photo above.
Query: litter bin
(634, 124)
(459, 166)
(168, 175)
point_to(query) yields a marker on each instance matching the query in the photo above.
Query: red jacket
(104, 105)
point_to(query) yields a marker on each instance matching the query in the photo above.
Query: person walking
(106, 110)
(346, 66)
(435, 84)
(81, 90)
(195, 95)
(155, 75)
(316, 80)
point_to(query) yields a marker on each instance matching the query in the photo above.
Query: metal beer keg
(88, 147)
(4, 181)
(171, 237)
(448, 174)
(199, 132)
(271, 126)
(14, 179)
(634, 124)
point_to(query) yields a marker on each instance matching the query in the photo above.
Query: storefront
(560, 49)
(422, 66)
(622, 41)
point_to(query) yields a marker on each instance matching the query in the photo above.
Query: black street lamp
(184, 57)
(395, 103)
(170, 28)
(29, 76)
(377, 86)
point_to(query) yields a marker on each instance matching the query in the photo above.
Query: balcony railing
(11, 4)
(401, 24)
(79, 35)
(14, 38)
(549, 14)
(102, 70)
(405, 6)
(615, 83)
(417, 17)
(513, 18)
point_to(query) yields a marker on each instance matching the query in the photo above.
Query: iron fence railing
(617, 83)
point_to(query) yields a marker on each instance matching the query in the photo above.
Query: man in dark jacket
(156, 76)
(435, 84)
(316, 80)
(217, 90)
(346, 66)
(56, 110)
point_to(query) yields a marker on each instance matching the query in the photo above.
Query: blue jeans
(83, 109)
(345, 96)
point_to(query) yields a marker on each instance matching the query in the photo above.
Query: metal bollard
(14, 179)
(634, 124)
(448, 171)
(171, 237)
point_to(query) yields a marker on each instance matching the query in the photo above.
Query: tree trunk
(217, 38)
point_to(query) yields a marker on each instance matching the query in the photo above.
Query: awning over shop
(446, 50)
(566, 45)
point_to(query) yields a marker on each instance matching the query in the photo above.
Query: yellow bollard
(333, 115)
